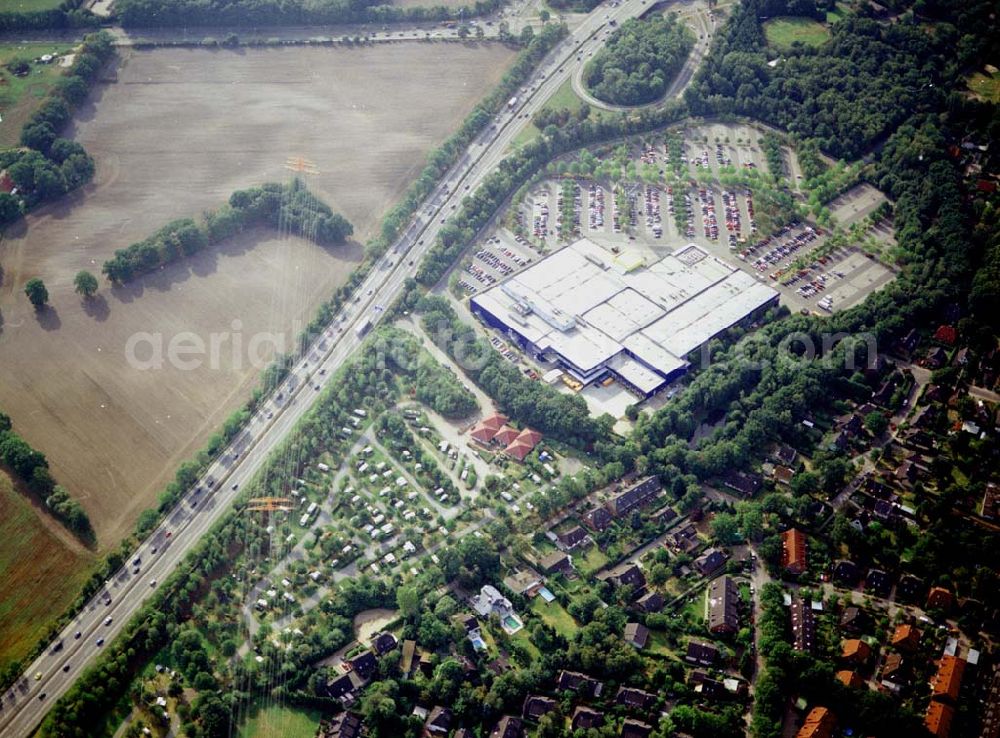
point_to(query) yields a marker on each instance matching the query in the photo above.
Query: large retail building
(595, 314)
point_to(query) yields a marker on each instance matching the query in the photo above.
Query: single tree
(85, 283)
(36, 292)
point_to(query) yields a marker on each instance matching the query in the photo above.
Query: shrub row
(48, 166)
(31, 467)
(289, 208)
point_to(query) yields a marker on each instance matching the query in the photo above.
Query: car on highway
(42, 696)
(76, 636)
(108, 620)
(66, 667)
(169, 533)
(236, 485)
(152, 582)
(100, 641)
(38, 676)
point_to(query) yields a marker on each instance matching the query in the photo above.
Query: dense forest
(847, 95)
(639, 60)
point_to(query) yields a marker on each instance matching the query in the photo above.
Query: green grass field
(593, 560)
(27, 6)
(782, 32)
(986, 84)
(838, 13)
(39, 575)
(553, 614)
(21, 96)
(286, 722)
(563, 97)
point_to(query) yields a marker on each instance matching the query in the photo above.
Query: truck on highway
(363, 327)
(512, 102)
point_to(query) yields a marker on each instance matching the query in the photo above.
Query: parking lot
(495, 259)
(691, 185)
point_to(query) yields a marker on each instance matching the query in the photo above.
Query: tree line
(47, 166)
(563, 417)
(68, 14)
(287, 208)
(639, 61)
(31, 467)
(253, 13)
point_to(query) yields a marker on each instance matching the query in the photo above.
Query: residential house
(742, 483)
(467, 622)
(636, 634)
(849, 678)
(855, 651)
(785, 455)
(683, 539)
(488, 427)
(505, 436)
(895, 672)
(878, 582)
(710, 562)
(489, 601)
(819, 723)
(855, 620)
(905, 638)
(940, 598)
(936, 358)
(947, 680)
(523, 445)
(910, 341)
(910, 588)
(793, 551)
(535, 706)
(598, 519)
(803, 626)
(723, 606)
(625, 575)
(344, 725)
(508, 727)
(635, 729)
(438, 721)
(634, 497)
(783, 474)
(575, 536)
(524, 581)
(701, 653)
(847, 573)
(707, 687)
(382, 643)
(584, 718)
(635, 699)
(650, 602)
(583, 685)
(345, 687)
(364, 664)
(938, 719)
(556, 562)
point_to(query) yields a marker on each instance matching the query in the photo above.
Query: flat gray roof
(589, 306)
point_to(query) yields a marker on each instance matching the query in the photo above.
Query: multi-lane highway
(76, 648)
